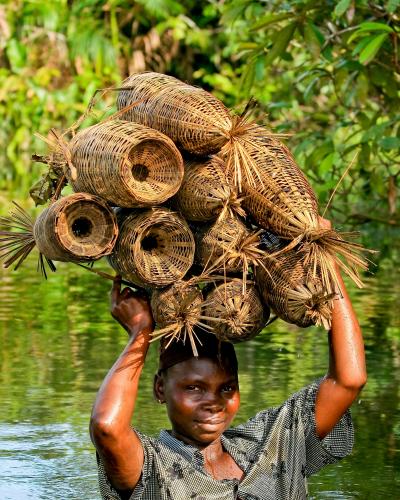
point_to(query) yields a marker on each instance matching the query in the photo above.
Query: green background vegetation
(325, 72)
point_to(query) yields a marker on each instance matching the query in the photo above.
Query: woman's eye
(228, 388)
(192, 387)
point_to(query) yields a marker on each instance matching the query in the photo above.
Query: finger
(116, 290)
(126, 292)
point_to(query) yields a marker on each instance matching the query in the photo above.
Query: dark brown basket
(78, 227)
(205, 192)
(289, 287)
(127, 164)
(193, 118)
(154, 247)
(233, 315)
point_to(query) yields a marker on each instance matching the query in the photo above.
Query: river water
(58, 341)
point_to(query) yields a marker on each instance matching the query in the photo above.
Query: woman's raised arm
(110, 427)
(347, 372)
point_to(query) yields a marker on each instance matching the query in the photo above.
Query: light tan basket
(205, 193)
(233, 315)
(290, 289)
(176, 311)
(127, 164)
(284, 202)
(77, 228)
(227, 245)
(193, 118)
(154, 247)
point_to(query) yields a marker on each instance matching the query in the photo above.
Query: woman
(269, 457)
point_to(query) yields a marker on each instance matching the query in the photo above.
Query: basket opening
(149, 243)
(82, 227)
(140, 172)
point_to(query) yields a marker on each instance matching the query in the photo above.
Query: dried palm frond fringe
(286, 285)
(233, 315)
(228, 245)
(206, 193)
(126, 163)
(155, 247)
(76, 228)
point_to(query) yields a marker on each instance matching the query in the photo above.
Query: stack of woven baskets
(205, 209)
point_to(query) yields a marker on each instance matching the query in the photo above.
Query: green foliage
(326, 73)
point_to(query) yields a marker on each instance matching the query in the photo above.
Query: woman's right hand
(131, 309)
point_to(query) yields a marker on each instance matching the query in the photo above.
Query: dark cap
(210, 347)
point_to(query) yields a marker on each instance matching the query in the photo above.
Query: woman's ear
(158, 388)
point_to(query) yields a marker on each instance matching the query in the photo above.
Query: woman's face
(201, 397)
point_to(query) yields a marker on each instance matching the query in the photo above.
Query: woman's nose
(213, 401)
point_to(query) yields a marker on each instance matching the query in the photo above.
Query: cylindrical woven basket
(78, 227)
(126, 163)
(154, 247)
(227, 245)
(194, 119)
(233, 315)
(176, 311)
(205, 192)
(294, 293)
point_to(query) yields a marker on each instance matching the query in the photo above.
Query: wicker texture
(233, 315)
(205, 192)
(155, 247)
(79, 227)
(176, 311)
(193, 118)
(288, 287)
(127, 164)
(227, 245)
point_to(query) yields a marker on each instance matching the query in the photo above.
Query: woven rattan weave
(233, 315)
(78, 227)
(193, 118)
(155, 247)
(227, 245)
(286, 285)
(205, 192)
(176, 311)
(127, 164)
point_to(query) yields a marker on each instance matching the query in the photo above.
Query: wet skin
(202, 399)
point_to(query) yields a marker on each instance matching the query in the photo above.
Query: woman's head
(201, 393)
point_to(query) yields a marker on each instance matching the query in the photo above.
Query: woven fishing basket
(287, 286)
(176, 311)
(127, 164)
(233, 315)
(205, 192)
(227, 245)
(193, 118)
(78, 227)
(284, 202)
(154, 247)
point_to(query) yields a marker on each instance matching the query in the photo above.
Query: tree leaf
(270, 19)
(341, 7)
(375, 27)
(392, 6)
(388, 143)
(281, 42)
(370, 51)
(312, 40)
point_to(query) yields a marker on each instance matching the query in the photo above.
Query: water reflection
(58, 342)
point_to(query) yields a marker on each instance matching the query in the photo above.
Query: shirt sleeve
(108, 492)
(335, 445)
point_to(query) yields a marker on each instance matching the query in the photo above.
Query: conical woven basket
(78, 227)
(288, 287)
(127, 164)
(284, 202)
(205, 192)
(233, 315)
(176, 311)
(154, 247)
(227, 245)
(193, 118)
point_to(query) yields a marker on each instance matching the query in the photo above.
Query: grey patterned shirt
(277, 450)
